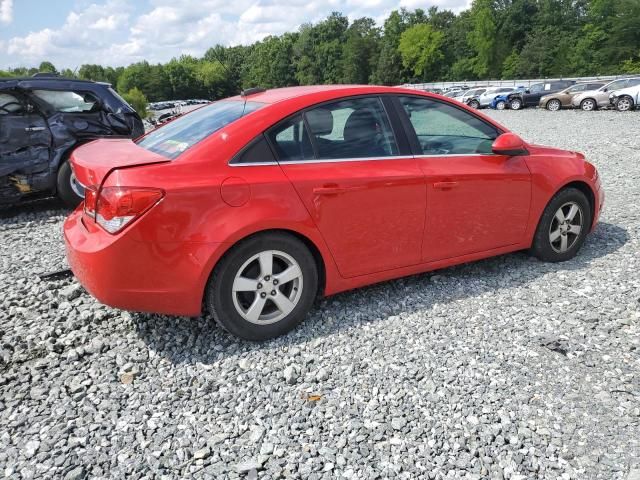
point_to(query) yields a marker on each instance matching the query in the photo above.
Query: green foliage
(137, 100)
(492, 39)
(421, 48)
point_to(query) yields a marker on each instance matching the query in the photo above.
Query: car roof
(43, 81)
(276, 95)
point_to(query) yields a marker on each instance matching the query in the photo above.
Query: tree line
(492, 39)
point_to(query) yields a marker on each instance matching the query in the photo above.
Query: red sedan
(254, 205)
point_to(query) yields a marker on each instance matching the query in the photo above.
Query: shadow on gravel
(52, 205)
(191, 340)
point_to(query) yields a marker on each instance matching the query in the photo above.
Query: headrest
(320, 121)
(360, 126)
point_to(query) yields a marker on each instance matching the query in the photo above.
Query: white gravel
(507, 368)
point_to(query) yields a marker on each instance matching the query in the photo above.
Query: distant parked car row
(622, 94)
(176, 103)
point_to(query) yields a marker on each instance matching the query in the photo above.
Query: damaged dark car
(42, 119)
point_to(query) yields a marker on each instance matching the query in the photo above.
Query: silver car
(595, 99)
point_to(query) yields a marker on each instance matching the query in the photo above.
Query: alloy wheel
(566, 227)
(624, 104)
(553, 105)
(500, 105)
(267, 287)
(588, 105)
(516, 104)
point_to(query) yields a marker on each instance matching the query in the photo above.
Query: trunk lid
(94, 161)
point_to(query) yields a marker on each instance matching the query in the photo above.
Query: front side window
(351, 128)
(537, 87)
(175, 137)
(577, 88)
(617, 85)
(68, 101)
(443, 129)
(633, 82)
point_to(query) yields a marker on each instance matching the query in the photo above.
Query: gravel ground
(506, 368)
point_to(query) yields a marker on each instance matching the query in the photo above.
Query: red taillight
(114, 207)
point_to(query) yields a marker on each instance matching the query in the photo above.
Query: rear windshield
(184, 132)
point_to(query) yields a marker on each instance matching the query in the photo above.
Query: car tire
(515, 104)
(588, 105)
(474, 104)
(67, 187)
(624, 104)
(501, 105)
(563, 226)
(553, 105)
(245, 296)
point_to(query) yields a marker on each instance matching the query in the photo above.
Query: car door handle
(445, 185)
(334, 190)
(33, 129)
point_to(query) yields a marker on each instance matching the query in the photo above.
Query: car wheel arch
(585, 188)
(316, 252)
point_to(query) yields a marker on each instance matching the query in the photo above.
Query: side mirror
(605, 90)
(509, 144)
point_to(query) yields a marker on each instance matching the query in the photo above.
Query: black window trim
(235, 160)
(413, 136)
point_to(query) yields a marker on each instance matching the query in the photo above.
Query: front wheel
(624, 104)
(501, 105)
(516, 104)
(263, 287)
(563, 226)
(588, 105)
(474, 104)
(70, 191)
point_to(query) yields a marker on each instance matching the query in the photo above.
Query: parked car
(562, 99)
(625, 99)
(42, 119)
(485, 99)
(256, 204)
(599, 98)
(455, 94)
(501, 101)
(531, 96)
(469, 94)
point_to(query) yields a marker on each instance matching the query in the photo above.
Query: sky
(119, 32)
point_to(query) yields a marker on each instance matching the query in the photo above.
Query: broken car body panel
(43, 119)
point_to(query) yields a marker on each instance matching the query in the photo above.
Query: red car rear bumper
(124, 272)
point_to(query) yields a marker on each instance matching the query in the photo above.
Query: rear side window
(69, 101)
(256, 153)
(177, 136)
(351, 128)
(443, 129)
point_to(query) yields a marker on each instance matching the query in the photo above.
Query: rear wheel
(624, 104)
(588, 104)
(563, 226)
(553, 105)
(70, 191)
(501, 105)
(264, 287)
(516, 104)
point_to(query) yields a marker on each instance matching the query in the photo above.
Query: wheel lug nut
(267, 278)
(273, 293)
(259, 285)
(275, 282)
(263, 295)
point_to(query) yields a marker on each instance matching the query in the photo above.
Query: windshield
(177, 136)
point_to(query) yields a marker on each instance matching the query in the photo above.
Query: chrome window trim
(359, 159)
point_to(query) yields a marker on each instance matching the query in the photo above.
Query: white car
(625, 99)
(469, 94)
(484, 100)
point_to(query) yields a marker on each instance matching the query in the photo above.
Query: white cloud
(109, 33)
(6, 11)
